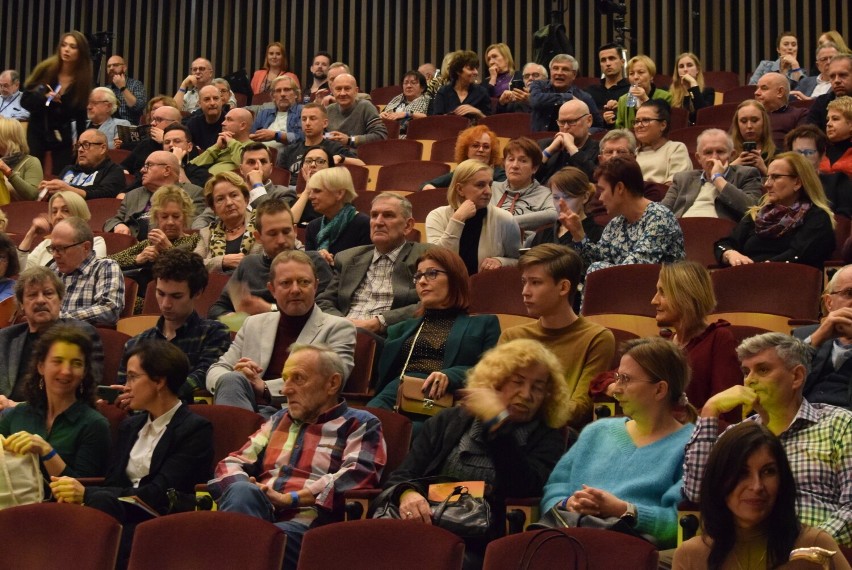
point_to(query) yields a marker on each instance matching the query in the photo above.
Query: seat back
(623, 289)
(768, 288)
(409, 175)
(20, 215)
(444, 150)
(102, 209)
(116, 243)
(113, 341)
(425, 201)
(511, 125)
(114, 416)
(133, 325)
(392, 128)
(131, 289)
(397, 431)
(231, 427)
(679, 118)
(358, 383)
(719, 116)
(401, 546)
(437, 127)
(360, 177)
(689, 137)
(391, 151)
(722, 81)
(699, 235)
(383, 95)
(216, 283)
(203, 539)
(50, 535)
(8, 309)
(739, 94)
(498, 291)
(280, 176)
(118, 155)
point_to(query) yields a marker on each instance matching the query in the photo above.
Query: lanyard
(6, 106)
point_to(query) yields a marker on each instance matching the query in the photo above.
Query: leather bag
(466, 517)
(410, 398)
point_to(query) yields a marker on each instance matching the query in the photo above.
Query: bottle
(631, 99)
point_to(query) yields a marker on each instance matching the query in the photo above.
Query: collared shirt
(134, 113)
(110, 129)
(705, 203)
(202, 340)
(10, 107)
(374, 295)
(343, 450)
(818, 443)
(139, 464)
(94, 292)
(822, 87)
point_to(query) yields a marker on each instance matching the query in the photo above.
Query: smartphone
(749, 146)
(517, 84)
(108, 393)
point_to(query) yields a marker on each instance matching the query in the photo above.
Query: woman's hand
(147, 255)
(733, 257)
(392, 116)
(751, 158)
(639, 92)
(25, 442)
(40, 226)
(436, 385)
(413, 507)
(327, 256)
(232, 260)
(596, 502)
(688, 81)
(570, 220)
(464, 110)
(490, 263)
(158, 239)
(484, 403)
(67, 490)
(465, 211)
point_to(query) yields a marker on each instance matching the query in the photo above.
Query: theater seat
(498, 291)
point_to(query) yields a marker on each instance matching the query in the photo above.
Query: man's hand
(717, 166)
(733, 257)
(253, 305)
(7, 403)
(263, 135)
(252, 371)
(224, 138)
(188, 82)
(727, 400)
(836, 323)
(56, 185)
(232, 260)
(254, 177)
(179, 153)
(339, 137)
(373, 325)
(121, 229)
(119, 80)
(490, 263)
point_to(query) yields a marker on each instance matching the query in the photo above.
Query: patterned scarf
(218, 241)
(775, 220)
(330, 230)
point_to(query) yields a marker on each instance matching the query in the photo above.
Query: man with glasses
(547, 96)
(10, 96)
(94, 175)
(719, 189)
(816, 437)
(314, 122)
(280, 125)
(160, 119)
(809, 88)
(373, 284)
(518, 100)
(812, 143)
(100, 109)
(249, 375)
(130, 92)
(189, 93)
(94, 286)
(133, 215)
(840, 74)
(572, 145)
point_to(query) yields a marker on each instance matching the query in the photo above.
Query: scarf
(775, 220)
(330, 230)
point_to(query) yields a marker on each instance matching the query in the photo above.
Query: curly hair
(178, 265)
(168, 194)
(231, 178)
(471, 135)
(498, 364)
(34, 387)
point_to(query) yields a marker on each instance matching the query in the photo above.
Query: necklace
(236, 229)
(748, 565)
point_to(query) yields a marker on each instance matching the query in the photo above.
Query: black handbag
(557, 517)
(541, 538)
(467, 517)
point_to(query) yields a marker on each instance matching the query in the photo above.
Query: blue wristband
(295, 496)
(49, 456)
(546, 154)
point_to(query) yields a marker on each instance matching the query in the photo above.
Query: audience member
(751, 125)
(340, 225)
(501, 69)
(94, 175)
(809, 88)
(787, 63)
(840, 75)
(572, 145)
(276, 65)
(9, 267)
(517, 99)
(352, 121)
(314, 122)
(570, 190)
(411, 104)
(550, 276)
(226, 241)
(189, 96)
(640, 73)
(838, 129)
(159, 120)
(178, 140)
(316, 158)
(462, 96)
(205, 125)
(10, 96)
(281, 124)
(319, 82)
(775, 367)
(792, 223)
(476, 143)
(226, 154)
(547, 96)
(773, 90)
(100, 110)
(811, 143)
(659, 157)
(130, 92)
(22, 171)
(717, 190)
(521, 194)
(613, 83)
(687, 86)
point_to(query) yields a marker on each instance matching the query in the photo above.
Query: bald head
(161, 168)
(345, 90)
(772, 90)
(210, 102)
(238, 121)
(574, 118)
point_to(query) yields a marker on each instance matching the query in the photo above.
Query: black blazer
(824, 384)
(183, 457)
(356, 233)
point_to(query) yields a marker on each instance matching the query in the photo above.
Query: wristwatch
(630, 515)
(273, 307)
(814, 554)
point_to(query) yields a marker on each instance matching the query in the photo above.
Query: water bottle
(631, 99)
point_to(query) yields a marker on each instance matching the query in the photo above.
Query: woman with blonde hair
(225, 242)
(275, 65)
(501, 68)
(571, 191)
(340, 226)
(838, 129)
(23, 172)
(63, 204)
(836, 38)
(687, 87)
(751, 125)
(792, 223)
(485, 236)
(640, 72)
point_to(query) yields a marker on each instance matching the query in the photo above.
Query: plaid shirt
(134, 113)
(202, 340)
(374, 295)
(819, 448)
(94, 292)
(343, 450)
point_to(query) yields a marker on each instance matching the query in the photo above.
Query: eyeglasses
(645, 122)
(532, 76)
(624, 379)
(148, 165)
(429, 274)
(806, 151)
(96, 102)
(160, 120)
(616, 152)
(61, 249)
(316, 161)
(845, 293)
(571, 122)
(88, 145)
(478, 146)
(774, 177)
(131, 377)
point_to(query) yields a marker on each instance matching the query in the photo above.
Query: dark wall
(381, 39)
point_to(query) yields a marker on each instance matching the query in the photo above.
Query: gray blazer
(350, 268)
(134, 203)
(256, 339)
(742, 191)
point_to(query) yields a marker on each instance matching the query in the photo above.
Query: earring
(41, 383)
(80, 389)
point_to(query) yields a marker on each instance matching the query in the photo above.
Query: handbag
(557, 517)
(20, 479)
(466, 517)
(541, 539)
(410, 398)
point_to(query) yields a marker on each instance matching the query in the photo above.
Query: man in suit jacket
(720, 190)
(373, 286)
(249, 375)
(39, 292)
(829, 380)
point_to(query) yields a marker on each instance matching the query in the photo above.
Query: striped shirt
(819, 447)
(94, 292)
(343, 450)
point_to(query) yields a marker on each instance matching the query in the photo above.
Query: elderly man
(188, 96)
(160, 119)
(130, 92)
(547, 96)
(830, 373)
(248, 286)
(282, 124)
(319, 76)
(572, 146)
(352, 121)
(294, 470)
(373, 285)
(100, 110)
(133, 216)
(249, 374)
(516, 100)
(816, 436)
(94, 286)
(226, 154)
(94, 175)
(719, 190)
(206, 126)
(314, 123)
(613, 85)
(39, 293)
(840, 75)
(773, 90)
(10, 96)
(809, 88)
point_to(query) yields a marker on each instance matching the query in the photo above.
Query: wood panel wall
(381, 39)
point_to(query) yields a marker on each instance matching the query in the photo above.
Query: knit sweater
(361, 121)
(650, 476)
